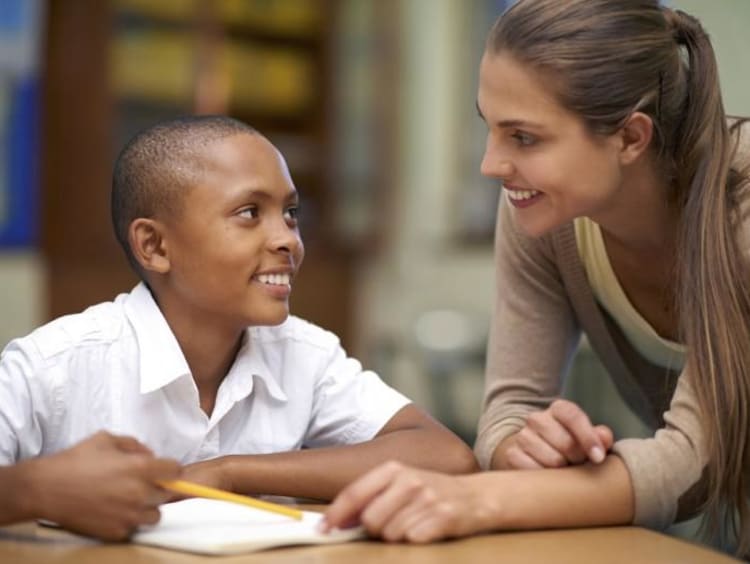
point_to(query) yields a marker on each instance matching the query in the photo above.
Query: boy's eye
(523, 138)
(250, 212)
(292, 212)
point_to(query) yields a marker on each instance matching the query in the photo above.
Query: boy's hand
(558, 436)
(400, 503)
(106, 486)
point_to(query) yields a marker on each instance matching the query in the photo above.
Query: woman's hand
(559, 436)
(400, 503)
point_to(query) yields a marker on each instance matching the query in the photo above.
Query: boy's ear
(148, 245)
(635, 137)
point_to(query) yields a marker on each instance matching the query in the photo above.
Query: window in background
(19, 112)
(365, 97)
(476, 196)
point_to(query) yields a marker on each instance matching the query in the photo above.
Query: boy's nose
(285, 239)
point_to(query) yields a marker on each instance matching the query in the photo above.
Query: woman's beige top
(610, 295)
(543, 303)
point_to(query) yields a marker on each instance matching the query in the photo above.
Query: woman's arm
(532, 337)
(664, 468)
(403, 504)
(558, 436)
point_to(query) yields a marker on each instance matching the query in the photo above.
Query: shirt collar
(162, 361)
(249, 363)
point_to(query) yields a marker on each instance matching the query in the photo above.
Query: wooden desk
(30, 544)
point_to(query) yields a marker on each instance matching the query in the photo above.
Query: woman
(622, 219)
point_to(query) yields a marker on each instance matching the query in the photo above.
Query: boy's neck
(209, 364)
(209, 347)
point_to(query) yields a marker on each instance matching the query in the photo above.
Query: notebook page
(218, 527)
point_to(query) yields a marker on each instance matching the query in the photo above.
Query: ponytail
(714, 293)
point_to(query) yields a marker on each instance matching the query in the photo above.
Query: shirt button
(210, 446)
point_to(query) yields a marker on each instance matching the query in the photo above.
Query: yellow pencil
(197, 490)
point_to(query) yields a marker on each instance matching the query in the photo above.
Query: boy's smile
(277, 283)
(234, 247)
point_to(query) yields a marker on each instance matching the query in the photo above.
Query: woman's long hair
(609, 58)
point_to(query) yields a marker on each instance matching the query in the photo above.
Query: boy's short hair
(157, 165)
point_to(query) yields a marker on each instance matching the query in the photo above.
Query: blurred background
(373, 104)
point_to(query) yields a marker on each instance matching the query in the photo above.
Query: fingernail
(596, 454)
(322, 526)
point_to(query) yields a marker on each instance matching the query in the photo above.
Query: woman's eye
(524, 139)
(250, 212)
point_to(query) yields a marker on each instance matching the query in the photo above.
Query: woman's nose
(496, 165)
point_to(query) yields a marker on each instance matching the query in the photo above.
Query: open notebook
(208, 526)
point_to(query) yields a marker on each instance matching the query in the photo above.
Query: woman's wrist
(499, 457)
(489, 512)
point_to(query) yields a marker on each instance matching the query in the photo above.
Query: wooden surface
(28, 543)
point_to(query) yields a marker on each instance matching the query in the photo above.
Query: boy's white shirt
(117, 367)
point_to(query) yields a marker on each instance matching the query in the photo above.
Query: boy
(201, 362)
(104, 487)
